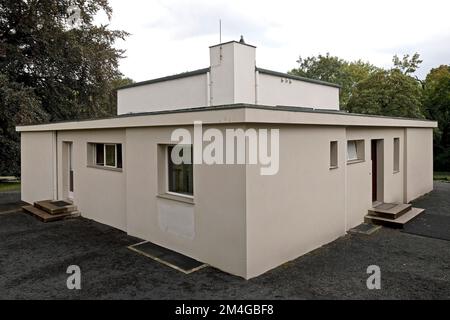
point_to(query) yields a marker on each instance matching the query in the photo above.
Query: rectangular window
(333, 154)
(355, 150)
(119, 155)
(396, 155)
(180, 178)
(105, 155)
(351, 151)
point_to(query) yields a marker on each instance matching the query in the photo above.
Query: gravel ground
(436, 202)
(9, 197)
(34, 257)
(435, 221)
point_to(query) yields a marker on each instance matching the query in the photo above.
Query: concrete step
(390, 210)
(47, 217)
(74, 214)
(397, 222)
(55, 206)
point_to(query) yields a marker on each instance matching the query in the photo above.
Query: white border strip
(132, 247)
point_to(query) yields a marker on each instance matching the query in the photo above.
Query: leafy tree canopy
(436, 106)
(391, 92)
(387, 92)
(408, 64)
(335, 70)
(55, 64)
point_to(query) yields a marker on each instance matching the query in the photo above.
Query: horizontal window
(108, 155)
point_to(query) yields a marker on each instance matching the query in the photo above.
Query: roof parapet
(167, 78)
(290, 76)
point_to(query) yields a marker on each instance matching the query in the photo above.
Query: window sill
(333, 167)
(105, 168)
(396, 171)
(174, 197)
(354, 161)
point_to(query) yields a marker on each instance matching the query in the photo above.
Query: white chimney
(232, 73)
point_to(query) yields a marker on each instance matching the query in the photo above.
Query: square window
(355, 151)
(180, 175)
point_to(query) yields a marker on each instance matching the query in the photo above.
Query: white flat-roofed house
(334, 168)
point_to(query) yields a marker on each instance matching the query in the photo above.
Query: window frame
(115, 155)
(166, 174)
(359, 151)
(95, 151)
(396, 155)
(92, 155)
(334, 154)
(352, 142)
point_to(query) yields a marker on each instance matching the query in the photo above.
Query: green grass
(9, 186)
(442, 176)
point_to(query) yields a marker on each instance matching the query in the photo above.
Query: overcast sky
(169, 36)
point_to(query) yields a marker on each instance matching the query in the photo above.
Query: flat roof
(205, 70)
(232, 41)
(294, 77)
(167, 78)
(234, 113)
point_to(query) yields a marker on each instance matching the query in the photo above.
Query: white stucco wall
(307, 204)
(38, 151)
(359, 175)
(217, 214)
(244, 74)
(419, 165)
(271, 91)
(232, 73)
(167, 95)
(99, 194)
(211, 229)
(303, 206)
(222, 74)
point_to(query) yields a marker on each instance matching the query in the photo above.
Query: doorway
(377, 156)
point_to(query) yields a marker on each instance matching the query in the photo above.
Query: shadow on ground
(435, 221)
(34, 257)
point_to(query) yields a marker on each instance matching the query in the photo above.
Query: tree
(436, 106)
(117, 83)
(323, 67)
(408, 64)
(18, 104)
(387, 92)
(336, 70)
(355, 72)
(390, 92)
(55, 62)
